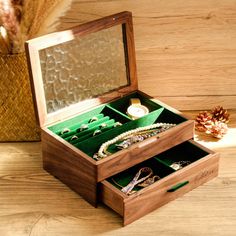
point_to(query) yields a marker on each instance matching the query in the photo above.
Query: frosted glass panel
(83, 68)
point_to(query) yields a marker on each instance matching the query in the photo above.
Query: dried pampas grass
(21, 20)
(47, 16)
(11, 25)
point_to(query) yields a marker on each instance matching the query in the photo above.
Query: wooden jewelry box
(83, 81)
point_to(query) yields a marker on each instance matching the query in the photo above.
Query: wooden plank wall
(186, 50)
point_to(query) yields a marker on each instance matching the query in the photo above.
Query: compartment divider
(95, 124)
(164, 163)
(117, 111)
(89, 134)
(125, 177)
(92, 145)
(123, 103)
(85, 122)
(114, 111)
(70, 122)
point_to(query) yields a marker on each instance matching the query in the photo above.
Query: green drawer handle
(177, 186)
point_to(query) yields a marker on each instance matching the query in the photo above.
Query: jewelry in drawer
(147, 186)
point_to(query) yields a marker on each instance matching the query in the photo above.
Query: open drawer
(199, 166)
(85, 90)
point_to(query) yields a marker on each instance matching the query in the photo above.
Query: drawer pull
(177, 186)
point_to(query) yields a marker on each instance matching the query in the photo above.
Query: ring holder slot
(103, 114)
(84, 118)
(185, 152)
(75, 127)
(91, 126)
(91, 145)
(89, 142)
(90, 132)
(125, 177)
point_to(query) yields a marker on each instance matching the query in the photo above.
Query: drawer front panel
(172, 186)
(145, 150)
(153, 198)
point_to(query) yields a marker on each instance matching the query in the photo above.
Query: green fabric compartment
(76, 122)
(91, 145)
(160, 164)
(183, 152)
(115, 111)
(166, 116)
(123, 103)
(126, 176)
(90, 132)
(162, 115)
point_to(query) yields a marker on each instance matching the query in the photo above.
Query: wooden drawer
(203, 167)
(74, 165)
(74, 84)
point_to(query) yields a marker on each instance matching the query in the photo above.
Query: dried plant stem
(26, 19)
(10, 23)
(4, 41)
(52, 19)
(46, 12)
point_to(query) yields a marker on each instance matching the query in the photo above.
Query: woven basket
(17, 117)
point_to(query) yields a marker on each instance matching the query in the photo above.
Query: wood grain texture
(185, 50)
(142, 151)
(34, 46)
(32, 202)
(156, 195)
(81, 173)
(70, 166)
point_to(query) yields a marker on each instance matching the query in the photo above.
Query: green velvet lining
(126, 176)
(84, 118)
(123, 103)
(160, 164)
(74, 121)
(92, 131)
(110, 114)
(183, 152)
(90, 146)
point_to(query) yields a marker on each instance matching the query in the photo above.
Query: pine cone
(203, 121)
(218, 129)
(220, 114)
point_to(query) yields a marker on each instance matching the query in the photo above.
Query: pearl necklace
(102, 150)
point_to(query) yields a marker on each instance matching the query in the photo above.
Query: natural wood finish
(201, 103)
(35, 45)
(156, 195)
(61, 158)
(32, 202)
(142, 151)
(70, 166)
(185, 50)
(112, 197)
(81, 173)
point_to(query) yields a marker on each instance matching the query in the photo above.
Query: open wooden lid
(77, 69)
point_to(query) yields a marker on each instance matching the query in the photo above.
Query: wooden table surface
(32, 202)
